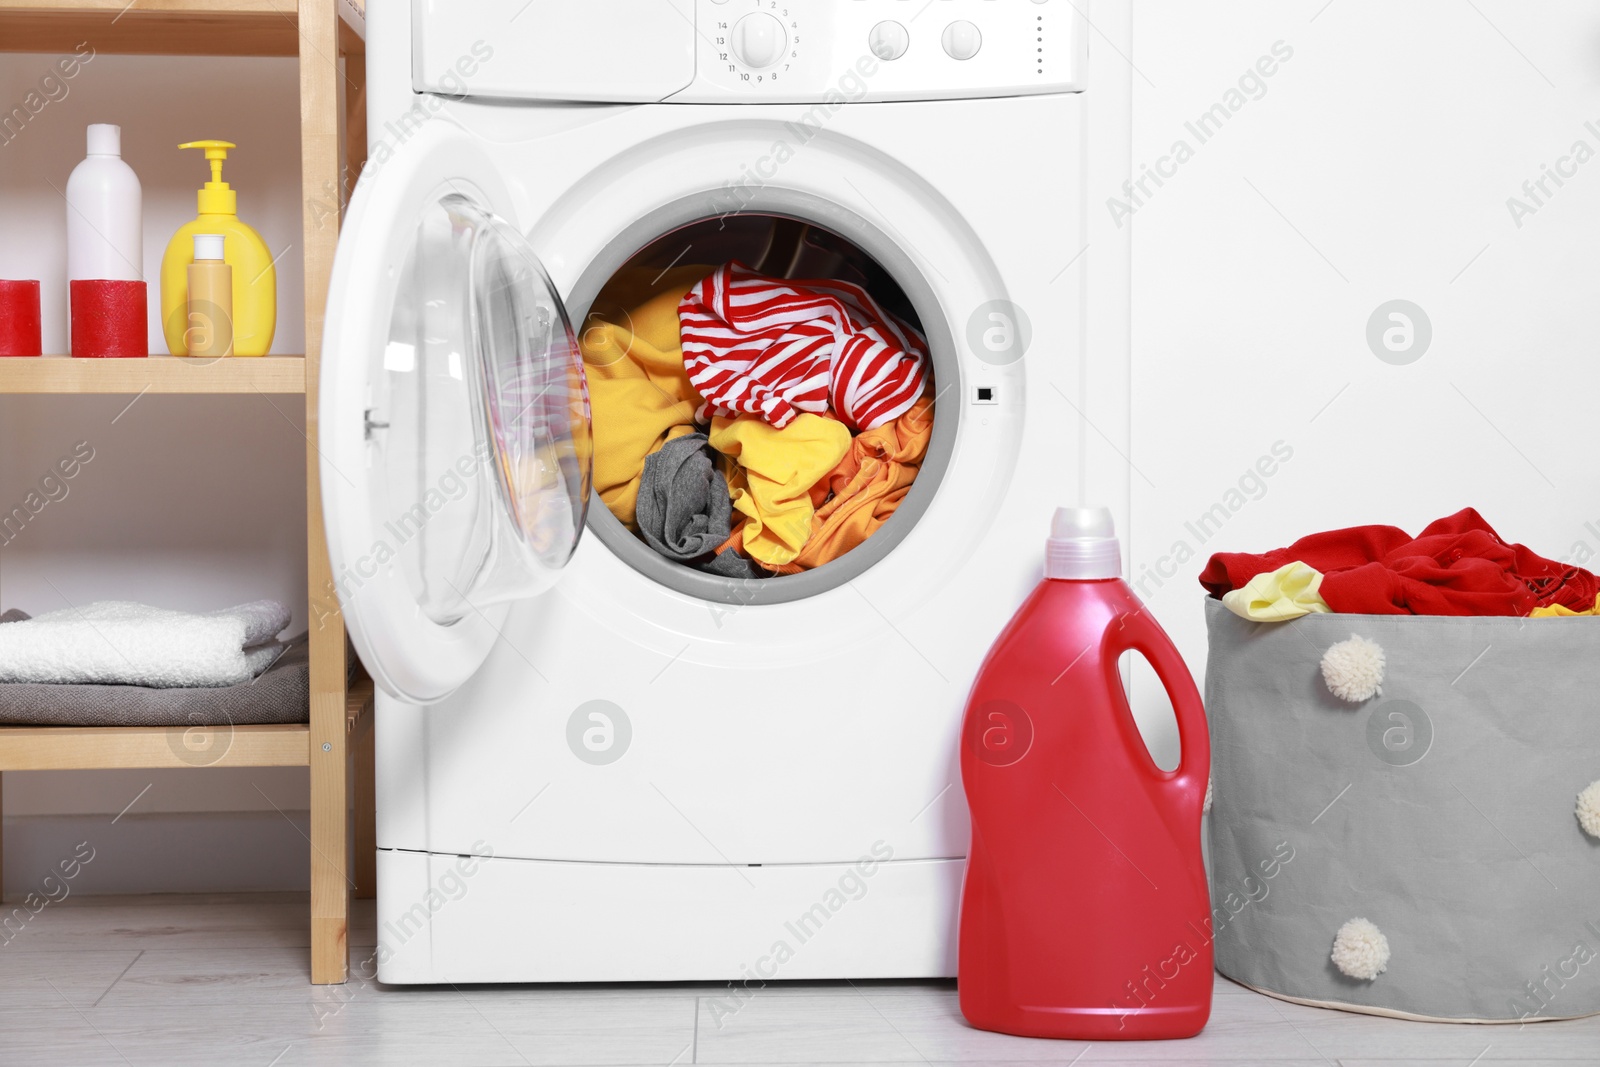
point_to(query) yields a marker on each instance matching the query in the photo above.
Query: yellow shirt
(1277, 596)
(775, 470)
(1556, 611)
(639, 394)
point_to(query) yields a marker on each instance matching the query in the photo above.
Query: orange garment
(639, 393)
(863, 489)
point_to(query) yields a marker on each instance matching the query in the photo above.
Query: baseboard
(165, 852)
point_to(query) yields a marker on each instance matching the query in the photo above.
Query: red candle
(109, 319)
(19, 319)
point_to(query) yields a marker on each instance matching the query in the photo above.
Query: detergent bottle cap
(207, 246)
(215, 197)
(1083, 545)
(105, 139)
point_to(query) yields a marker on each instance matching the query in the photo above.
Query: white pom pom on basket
(1353, 669)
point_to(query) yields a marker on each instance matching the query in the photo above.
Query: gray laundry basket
(1442, 810)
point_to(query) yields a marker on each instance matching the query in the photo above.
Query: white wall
(1376, 166)
(190, 502)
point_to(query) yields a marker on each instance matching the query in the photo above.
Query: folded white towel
(113, 642)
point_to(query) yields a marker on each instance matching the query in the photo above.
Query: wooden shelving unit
(100, 748)
(328, 38)
(167, 27)
(158, 374)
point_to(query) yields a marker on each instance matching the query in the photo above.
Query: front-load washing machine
(595, 763)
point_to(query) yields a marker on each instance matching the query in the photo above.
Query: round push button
(962, 40)
(889, 40)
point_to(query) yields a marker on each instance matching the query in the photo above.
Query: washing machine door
(455, 446)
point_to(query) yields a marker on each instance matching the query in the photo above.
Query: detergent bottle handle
(1137, 631)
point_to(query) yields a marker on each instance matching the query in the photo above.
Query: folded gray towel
(684, 510)
(280, 694)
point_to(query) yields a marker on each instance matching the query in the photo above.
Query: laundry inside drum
(762, 395)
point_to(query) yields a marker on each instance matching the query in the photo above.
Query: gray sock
(684, 511)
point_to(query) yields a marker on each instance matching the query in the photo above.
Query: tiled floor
(222, 981)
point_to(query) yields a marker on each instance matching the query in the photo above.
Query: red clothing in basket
(1457, 566)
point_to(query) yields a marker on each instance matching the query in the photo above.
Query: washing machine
(593, 763)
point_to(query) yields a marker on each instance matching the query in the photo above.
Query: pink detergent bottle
(1085, 912)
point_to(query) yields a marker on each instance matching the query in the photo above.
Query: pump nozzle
(216, 198)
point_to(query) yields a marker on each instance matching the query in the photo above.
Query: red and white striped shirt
(776, 347)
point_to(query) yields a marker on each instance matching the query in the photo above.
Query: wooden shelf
(157, 374)
(88, 748)
(167, 27)
(327, 38)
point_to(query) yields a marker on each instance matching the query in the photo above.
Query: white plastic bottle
(105, 227)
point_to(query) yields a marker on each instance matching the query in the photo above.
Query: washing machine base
(448, 918)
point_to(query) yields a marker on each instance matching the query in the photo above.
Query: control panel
(747, 51)
(861, 50)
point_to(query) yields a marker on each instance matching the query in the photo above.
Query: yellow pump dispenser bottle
(255, 284)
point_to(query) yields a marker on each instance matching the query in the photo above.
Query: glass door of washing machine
(454, 423)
